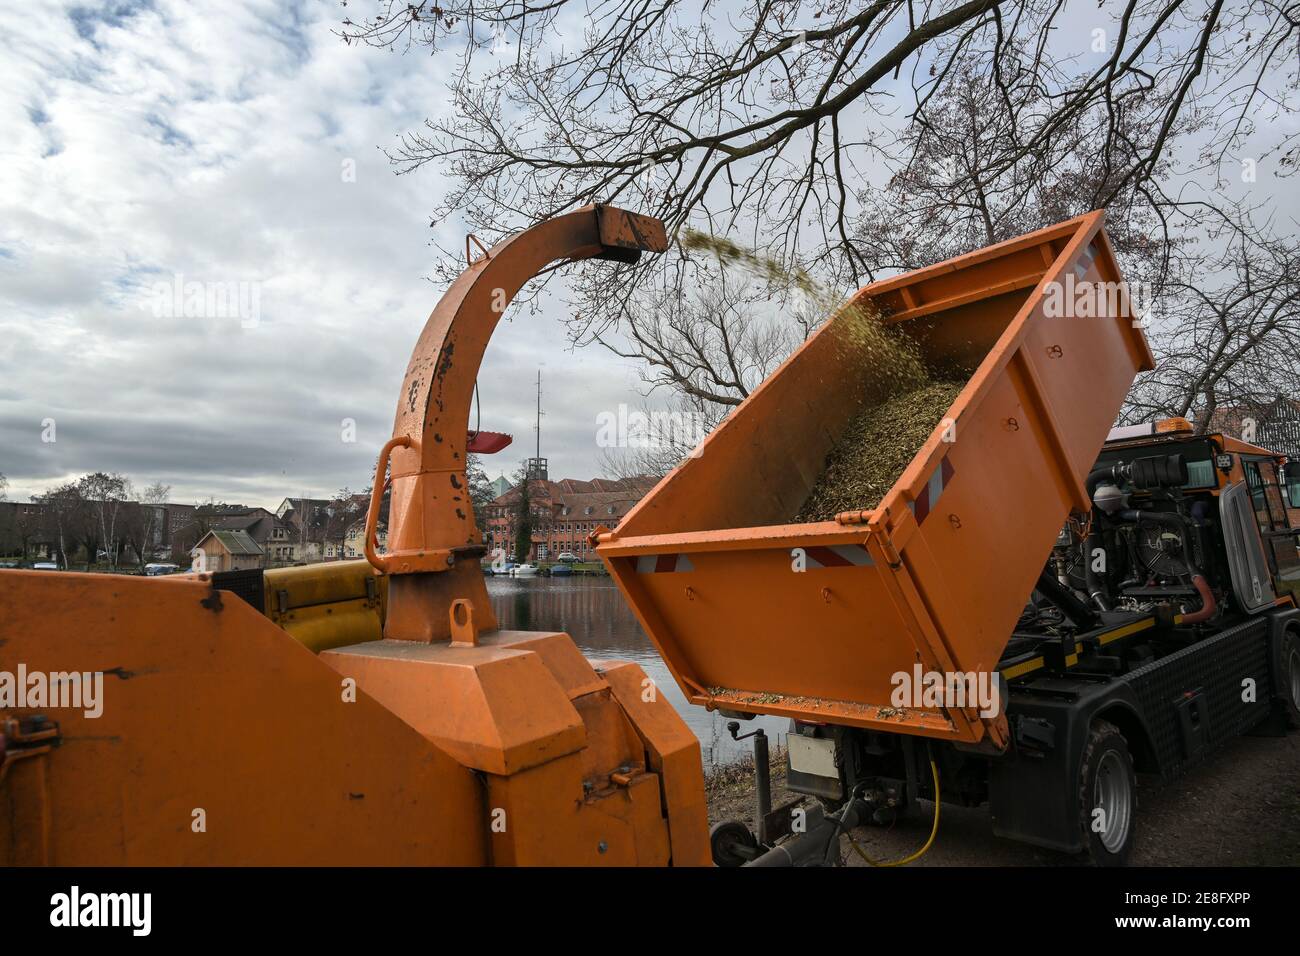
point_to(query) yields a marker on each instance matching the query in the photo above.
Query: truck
(1040, 609)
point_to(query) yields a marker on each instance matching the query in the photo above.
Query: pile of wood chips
(876, 446)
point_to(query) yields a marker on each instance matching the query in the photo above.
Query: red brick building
(564, 514)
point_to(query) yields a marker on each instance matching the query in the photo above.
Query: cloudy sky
(180, 143)
(165, 145)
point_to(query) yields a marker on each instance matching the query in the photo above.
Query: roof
(240, 522)
(638, 486)
(595, 491)
(300, 504)
(236, 542)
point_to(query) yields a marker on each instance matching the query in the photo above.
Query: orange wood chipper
(353, 712)
(1030, 617)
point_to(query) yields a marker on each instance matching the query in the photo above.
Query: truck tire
(1107, 796)
(1289, 677)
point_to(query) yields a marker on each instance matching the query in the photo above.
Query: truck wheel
(1107, 796)
(1289, 678)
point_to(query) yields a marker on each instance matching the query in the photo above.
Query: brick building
(564, 514)
(1273, 425)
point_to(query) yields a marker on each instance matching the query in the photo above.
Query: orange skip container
(753, 614)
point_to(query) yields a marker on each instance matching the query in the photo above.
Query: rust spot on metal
(444, 359)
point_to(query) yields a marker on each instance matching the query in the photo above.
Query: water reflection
(593, 613)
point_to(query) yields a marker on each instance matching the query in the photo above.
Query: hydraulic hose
(1078, 613)
(1096, 590)
(934, 831)
(1097, 475)
(1208, 605)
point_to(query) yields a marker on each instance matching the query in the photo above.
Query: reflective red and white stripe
(933, 490)
(663, 563)
(1085, 260)
(838, 556)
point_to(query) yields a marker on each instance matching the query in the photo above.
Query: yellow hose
(934, 831)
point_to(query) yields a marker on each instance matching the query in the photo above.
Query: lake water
(592, 611)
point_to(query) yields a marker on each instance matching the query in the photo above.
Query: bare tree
(143, 521)
(653, 441)
(480, 490)
(768, 120)
(1228, 335)
(978, 167)
(63, 514)
(345, 511)
(712, 345)
(106, 495)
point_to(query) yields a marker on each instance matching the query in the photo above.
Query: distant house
(276, 538)
(500, 486)
(305, 516)
(317, 526)
(354, 545)
(222, 550)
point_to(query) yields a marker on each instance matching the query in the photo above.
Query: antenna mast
(537, 466)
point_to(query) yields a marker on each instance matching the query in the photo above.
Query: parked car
(160, 568)
(568, 557)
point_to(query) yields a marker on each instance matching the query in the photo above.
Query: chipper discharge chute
(755, 611)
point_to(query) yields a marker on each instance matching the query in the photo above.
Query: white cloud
(208, 143)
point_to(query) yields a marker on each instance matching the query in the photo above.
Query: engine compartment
(1153, 547)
